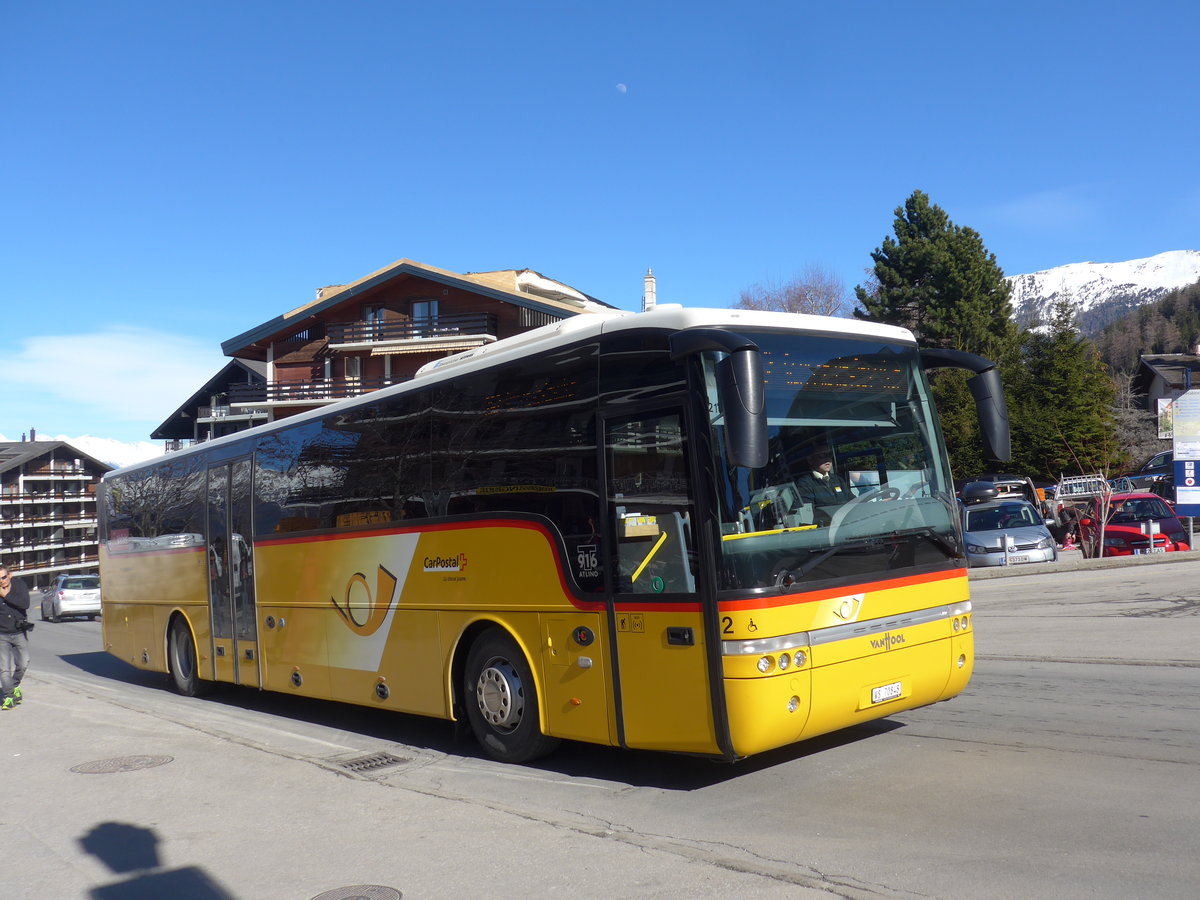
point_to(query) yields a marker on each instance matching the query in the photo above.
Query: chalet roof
(16, 453)
(521, 287)
(1173, 368)
(178, 425)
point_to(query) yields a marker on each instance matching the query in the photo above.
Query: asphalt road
(1069, 768)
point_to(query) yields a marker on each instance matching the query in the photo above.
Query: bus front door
(231, 573)
(658, 620)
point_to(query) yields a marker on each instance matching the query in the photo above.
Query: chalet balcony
(445, 333)
(319, 391)
(209, 414)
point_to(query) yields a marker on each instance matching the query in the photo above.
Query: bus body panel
(148, 586)
(664, 680)
(914, 633)
(389, 609)
(575, 678)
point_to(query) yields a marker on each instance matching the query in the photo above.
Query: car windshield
(996, 518)
(1141, 509)
(83, 583)
(854, 481)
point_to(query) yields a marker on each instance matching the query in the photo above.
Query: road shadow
(132, 850)
(634, 768)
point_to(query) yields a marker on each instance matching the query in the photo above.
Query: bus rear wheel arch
(182, 660)
(501, 701)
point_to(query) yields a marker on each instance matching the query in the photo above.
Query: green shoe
(16, 695)
(7, 704)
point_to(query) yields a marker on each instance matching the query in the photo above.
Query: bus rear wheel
(501, 700)
(181, 659)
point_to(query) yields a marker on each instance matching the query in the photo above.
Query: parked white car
(70, 596)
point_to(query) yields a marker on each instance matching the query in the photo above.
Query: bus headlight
(784, 661)
(765, 664)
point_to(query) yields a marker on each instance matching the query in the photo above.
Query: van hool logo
(446, 563)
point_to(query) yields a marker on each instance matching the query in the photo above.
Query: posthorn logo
(446, 563)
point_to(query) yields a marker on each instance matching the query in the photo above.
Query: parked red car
(1129, 527)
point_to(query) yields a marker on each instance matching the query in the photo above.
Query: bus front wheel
(501, 700)
(181, 658)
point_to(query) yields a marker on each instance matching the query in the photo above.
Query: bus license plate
(887, 692)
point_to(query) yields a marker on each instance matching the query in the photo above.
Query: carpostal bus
(591, 531)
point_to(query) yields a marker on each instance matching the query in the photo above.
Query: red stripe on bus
(829, 593)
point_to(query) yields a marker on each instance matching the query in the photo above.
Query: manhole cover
(120, 764)
(371, 763)
(360, 892)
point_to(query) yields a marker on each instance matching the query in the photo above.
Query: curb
(1080, 564)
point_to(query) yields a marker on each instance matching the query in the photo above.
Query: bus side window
(651, 505)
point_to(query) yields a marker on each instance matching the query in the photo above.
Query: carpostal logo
(446, 563)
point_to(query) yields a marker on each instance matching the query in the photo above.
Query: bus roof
(668, 316)
(665, 316)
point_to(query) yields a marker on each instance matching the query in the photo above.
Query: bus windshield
(855, 482)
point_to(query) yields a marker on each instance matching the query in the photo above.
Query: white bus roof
(667, 316)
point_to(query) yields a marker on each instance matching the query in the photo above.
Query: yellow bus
(595, 531)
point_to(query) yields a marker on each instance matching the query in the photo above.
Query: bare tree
(815, 291)
(1137, 427)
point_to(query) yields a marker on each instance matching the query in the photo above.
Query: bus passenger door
(231, 573)
(658, 620)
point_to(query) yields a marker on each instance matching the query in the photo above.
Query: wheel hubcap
(500, 695)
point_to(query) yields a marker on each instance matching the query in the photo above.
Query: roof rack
(1081, 487)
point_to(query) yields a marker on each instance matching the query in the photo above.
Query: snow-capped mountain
(1102, 292)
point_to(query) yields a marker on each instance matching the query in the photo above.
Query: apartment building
(48, 509)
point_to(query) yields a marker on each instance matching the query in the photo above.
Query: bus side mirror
(743, 400)
(740, 390)
(988, 392)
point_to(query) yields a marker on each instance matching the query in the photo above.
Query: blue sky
(172, 174)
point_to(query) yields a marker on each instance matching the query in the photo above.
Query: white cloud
(115, 453)
(120, 383)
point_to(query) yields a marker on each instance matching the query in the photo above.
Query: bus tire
(181, 660)
(501, 700)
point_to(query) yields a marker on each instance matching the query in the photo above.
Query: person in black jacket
(14, 637)
(821, 486)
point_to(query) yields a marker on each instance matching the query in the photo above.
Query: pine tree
(938, 280)
(1064, 403)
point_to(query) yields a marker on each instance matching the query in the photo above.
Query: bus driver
(821, 486)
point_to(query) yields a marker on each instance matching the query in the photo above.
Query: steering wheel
(876, 495)
(916, 489)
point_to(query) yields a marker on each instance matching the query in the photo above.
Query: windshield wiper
(788, 577)
(933, 536)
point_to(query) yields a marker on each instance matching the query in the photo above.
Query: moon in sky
(621, 89)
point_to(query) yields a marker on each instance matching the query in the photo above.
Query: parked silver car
(1006, 533)
(72, 595)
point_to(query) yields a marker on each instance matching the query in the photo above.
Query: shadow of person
(125, 848)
